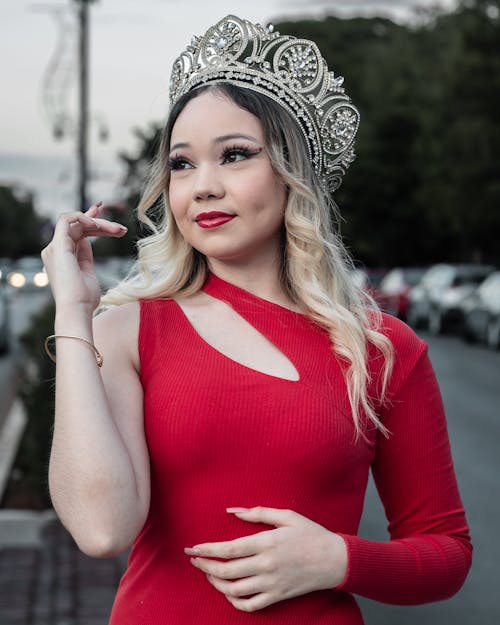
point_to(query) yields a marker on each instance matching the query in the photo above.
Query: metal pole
(83, 104)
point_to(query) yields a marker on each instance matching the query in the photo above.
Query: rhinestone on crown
(288, 70)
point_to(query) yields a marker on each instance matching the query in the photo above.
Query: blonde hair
(316, 270)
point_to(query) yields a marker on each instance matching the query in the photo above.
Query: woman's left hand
(297, 557)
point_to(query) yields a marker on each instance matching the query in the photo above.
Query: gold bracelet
(98, 355)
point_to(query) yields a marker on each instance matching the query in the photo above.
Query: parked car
(369, 280)
(28, 274)
(395, 289)
(481, 311)
(436, 301)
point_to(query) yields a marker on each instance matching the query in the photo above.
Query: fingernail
(98, 204)
(237, 509)
(192, 551)
(194, 562)
(123, 227)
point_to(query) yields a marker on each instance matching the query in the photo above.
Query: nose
(207, 183)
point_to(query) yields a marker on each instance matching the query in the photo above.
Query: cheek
(177, 200)
(265, 189)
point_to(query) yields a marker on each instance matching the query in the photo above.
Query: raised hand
(297, 557)
(68, 258)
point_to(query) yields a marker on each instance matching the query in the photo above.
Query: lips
(213, 219)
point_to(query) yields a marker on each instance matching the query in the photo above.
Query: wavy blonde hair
(316, 269)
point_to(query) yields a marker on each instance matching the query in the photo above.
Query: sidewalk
(46, 580)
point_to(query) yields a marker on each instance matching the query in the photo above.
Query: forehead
(213, 114)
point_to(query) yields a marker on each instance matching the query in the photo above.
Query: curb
(10, 437)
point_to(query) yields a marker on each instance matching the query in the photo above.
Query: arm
(99, 467)
(429, 554)
(99, 470)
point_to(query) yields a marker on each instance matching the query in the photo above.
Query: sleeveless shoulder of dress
(158, 318)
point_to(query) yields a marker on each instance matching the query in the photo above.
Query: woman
(247, 385)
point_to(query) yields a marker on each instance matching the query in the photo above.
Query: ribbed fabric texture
(221, 434)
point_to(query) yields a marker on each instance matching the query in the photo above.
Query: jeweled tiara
(288, 70)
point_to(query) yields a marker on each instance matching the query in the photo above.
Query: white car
(436, 301)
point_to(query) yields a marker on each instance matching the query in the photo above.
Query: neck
(260, 278)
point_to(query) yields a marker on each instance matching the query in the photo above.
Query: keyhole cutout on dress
(221, 327)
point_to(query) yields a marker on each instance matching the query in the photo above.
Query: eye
(235, 154)
(178, 162)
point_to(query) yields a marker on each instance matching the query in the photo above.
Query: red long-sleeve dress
(221, 434)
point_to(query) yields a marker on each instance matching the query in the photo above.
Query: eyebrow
(221, 139)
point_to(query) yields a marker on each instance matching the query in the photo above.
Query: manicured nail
(192, 551)
(124, 228)
(194, 562)
(237, 510)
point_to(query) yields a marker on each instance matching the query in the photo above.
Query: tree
(136, 168)
(425, 185)
(462, 176)
(20, 226)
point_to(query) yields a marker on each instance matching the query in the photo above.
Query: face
(226, 199)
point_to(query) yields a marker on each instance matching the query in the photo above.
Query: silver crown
(288, 70)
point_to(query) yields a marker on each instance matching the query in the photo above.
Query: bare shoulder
(116, 332)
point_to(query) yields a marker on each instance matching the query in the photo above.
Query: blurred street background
(85, 94)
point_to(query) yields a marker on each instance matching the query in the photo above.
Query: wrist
(74, 320)
(342, 561)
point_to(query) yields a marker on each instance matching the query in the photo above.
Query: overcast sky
(133, 44)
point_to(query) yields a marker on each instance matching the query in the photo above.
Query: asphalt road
(469, 377)
(470, 383)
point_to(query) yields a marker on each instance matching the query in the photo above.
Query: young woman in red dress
(247, 386)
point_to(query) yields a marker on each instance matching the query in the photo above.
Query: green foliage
(20, 227)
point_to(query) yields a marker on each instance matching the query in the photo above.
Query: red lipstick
(213, 219)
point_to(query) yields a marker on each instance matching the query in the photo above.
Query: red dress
(221, 434)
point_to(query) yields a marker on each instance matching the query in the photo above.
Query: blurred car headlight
(17, 280)
(40, 279)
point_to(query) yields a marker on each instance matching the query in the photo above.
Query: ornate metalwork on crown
(291, 71)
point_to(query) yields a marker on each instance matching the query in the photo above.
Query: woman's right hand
(68, 258)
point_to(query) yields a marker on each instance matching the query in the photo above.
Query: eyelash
(177, 162)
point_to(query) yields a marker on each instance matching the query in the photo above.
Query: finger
(78, 220)
(102, 223)
(79, 225)
(239, 588)
(94, 209)
(234, 569)
(271, 516)
(75, 225)
(252, 604)
(245, 546)
(84, 254)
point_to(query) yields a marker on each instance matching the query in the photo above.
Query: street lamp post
(82, 7)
